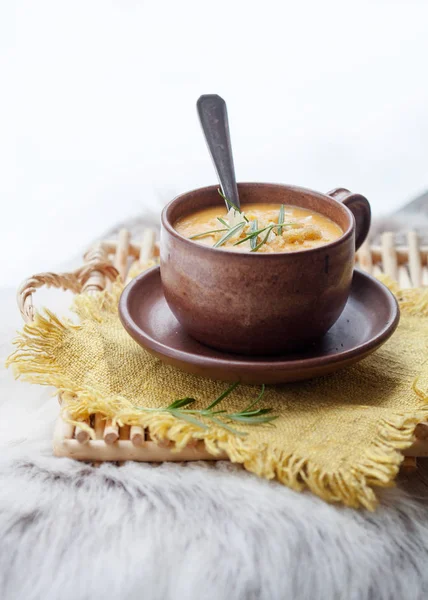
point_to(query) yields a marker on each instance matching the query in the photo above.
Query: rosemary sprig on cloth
(250, 415)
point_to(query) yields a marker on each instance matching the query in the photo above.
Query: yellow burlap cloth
(339, 436)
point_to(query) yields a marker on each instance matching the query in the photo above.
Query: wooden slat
(147, 246)
(111, 432)
(99, 426)
(137, 435)
(124, 432)
(121, 256)
(66, 429)
(403, 277)
(97, 281)
(146, 253)
(377, 270)
(81, 435)
(365, 258)
(389, 256)
(414, 258)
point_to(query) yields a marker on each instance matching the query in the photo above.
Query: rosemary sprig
(253, 228)
(198, 235)
(257, 400)
(257, 232)
(281, 219)
(252, 235)
(223, 222)
(229, 234)
(230, 203)
(264, 240)
(248, 416)
(223, 395)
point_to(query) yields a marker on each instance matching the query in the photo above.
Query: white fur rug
(70, 531)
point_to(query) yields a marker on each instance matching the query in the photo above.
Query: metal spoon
(212, 113)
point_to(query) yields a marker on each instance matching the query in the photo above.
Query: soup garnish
(261, 227)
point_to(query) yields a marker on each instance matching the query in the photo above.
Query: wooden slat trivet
(103, 262)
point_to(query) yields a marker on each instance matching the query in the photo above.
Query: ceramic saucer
(368, 320)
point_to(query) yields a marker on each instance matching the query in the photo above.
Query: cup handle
(359, 207)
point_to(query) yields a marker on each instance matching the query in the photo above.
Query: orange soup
(259, 228)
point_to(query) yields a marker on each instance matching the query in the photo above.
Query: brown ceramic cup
(261, 304)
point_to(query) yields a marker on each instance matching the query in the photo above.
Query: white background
(98, 120)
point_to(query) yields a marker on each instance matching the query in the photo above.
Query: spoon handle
(212, 113)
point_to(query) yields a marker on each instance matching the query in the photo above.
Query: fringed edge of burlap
(34, 360)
